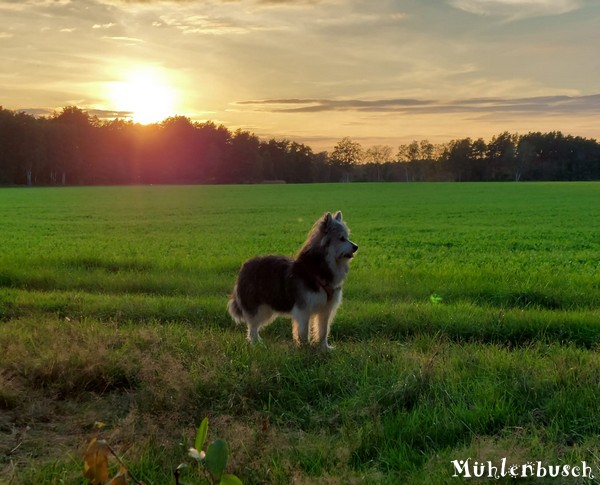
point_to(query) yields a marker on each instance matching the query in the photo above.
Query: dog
(306, 288)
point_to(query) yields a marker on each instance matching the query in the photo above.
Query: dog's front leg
(321, 330)
(253, 336)
(324, 319)
(300, 328)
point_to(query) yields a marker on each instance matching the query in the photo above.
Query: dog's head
(335, 236)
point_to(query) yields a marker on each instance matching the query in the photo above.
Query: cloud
(203, 24)
(360, 18)
(25, 5)
(516, 9)
(125, 40)
(532, 105)
(120, 2)
(262, 2)
(321, 105)
(102, 114)
(37, 112)
(289, 3)
(105, 114)
(192, 22)
(108, 25)
(286, 3)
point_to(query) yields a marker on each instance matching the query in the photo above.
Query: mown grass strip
(391, 407)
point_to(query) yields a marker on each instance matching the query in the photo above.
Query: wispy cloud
(290, 3)
(125, 40)
(121, 2)
(108, 25)
(102, 114)
(517, 9)
(361, 18)
(321, 105)
(532, 105)
(24, 4)
(203, 24)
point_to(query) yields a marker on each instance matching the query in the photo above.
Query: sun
(145, 93)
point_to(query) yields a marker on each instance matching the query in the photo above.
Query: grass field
(470, 328)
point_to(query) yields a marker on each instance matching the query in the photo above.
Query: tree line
(73, 148)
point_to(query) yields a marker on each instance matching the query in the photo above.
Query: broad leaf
(216, 458)
(230, 480)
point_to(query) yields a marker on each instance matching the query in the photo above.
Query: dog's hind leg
(253, 336)
(262, 317)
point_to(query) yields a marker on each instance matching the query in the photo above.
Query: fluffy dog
(307, 288)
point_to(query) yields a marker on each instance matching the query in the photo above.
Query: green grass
(470, 328)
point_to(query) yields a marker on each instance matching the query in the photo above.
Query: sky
(382, 72)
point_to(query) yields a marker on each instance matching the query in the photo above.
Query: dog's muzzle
(350, 255)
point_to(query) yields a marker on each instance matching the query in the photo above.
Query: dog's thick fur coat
(307, 288)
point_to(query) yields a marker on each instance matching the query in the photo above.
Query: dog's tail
(234, 308)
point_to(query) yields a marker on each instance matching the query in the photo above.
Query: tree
(74, 137)
(212, 142)
(465, 159)
(346, 154)
(377, 156)
(243, 160)
(502, 156)
(458, 157)
(426, 150)
(419, 160)
(72, 147)
(178, 150)
(300, 160)
(118, 160)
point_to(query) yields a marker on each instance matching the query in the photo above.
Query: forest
(73, 148)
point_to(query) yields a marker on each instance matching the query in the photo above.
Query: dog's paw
(255, 340)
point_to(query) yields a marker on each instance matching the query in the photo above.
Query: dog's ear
(338, 216)
(325, 222)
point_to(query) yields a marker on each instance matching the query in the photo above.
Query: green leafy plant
(210, 464)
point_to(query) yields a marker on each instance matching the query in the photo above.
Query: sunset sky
(314, 71)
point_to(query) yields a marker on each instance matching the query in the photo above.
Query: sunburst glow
(145, 93)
